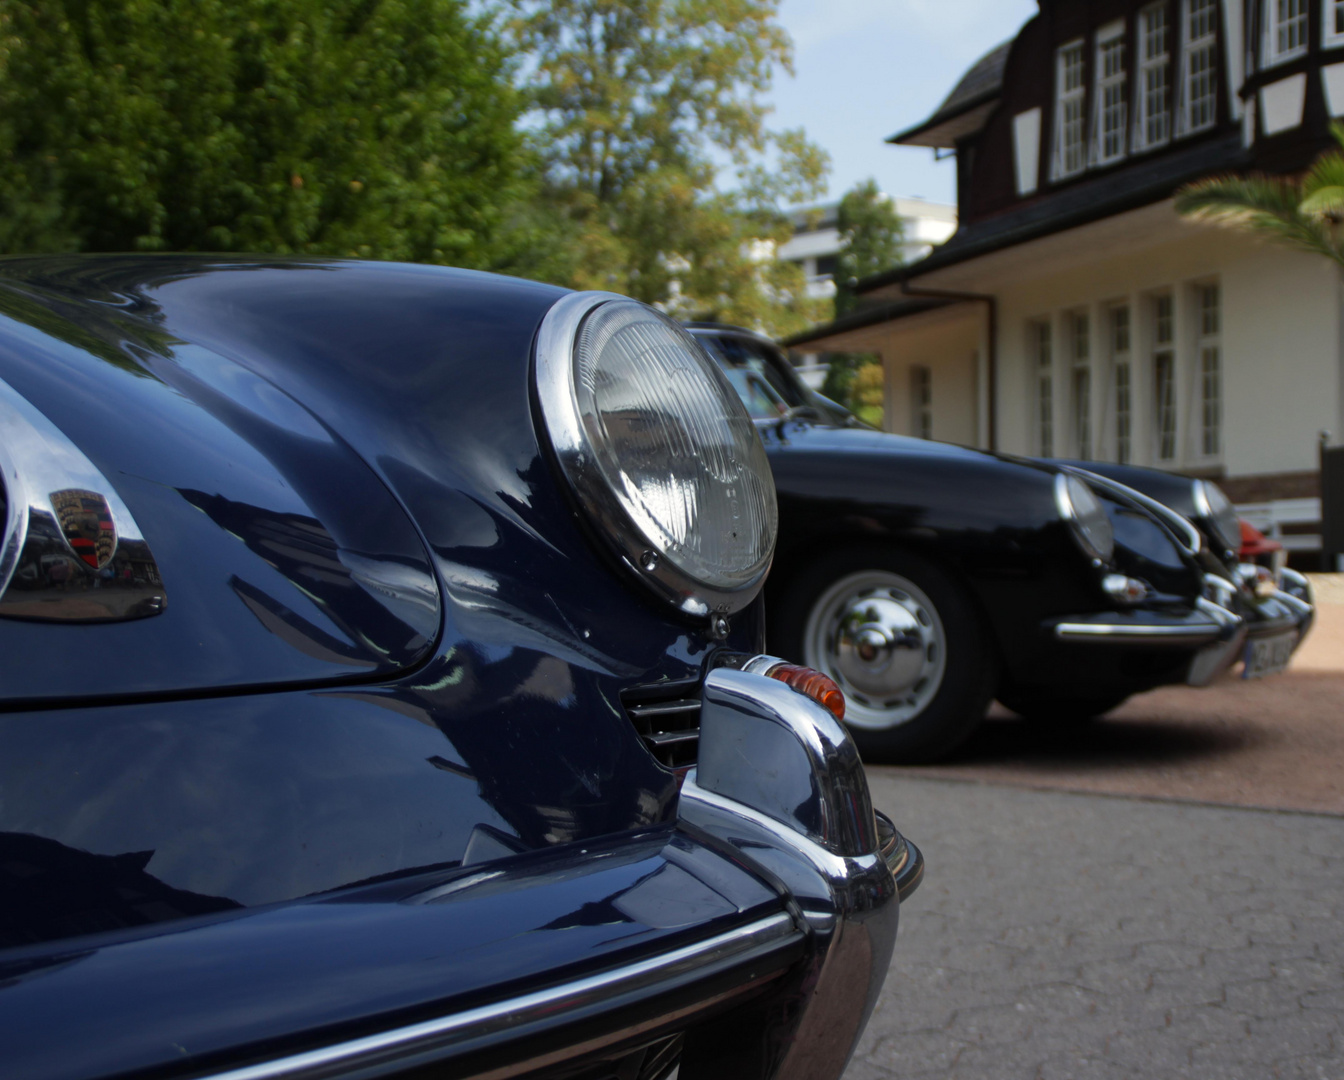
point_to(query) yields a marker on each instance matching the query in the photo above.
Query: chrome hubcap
(879, 636)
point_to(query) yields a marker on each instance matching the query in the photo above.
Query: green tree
(381, 128)
(1305, 212)
(638, 106)
(872, 235)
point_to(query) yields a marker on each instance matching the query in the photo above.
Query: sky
(866, 69)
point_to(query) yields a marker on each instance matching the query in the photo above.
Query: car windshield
(767, 391)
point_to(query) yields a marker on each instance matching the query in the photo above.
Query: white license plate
(1268, 656)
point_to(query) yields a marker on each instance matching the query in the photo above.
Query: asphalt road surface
(1159, 894)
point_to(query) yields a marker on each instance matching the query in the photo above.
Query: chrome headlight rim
(607, 512)
(1090, 526)
(1214, 507)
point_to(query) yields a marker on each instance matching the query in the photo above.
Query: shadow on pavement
(1105, 743)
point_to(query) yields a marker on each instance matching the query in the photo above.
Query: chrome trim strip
(444, 1032)
(1190, 634)
(55, 497)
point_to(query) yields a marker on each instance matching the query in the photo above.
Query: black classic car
(1277, 604)
(928, 579)
(383, 692)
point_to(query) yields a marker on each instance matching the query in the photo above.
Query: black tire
(1051, 709)
(931, 719)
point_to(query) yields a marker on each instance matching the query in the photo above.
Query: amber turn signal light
(820, 688)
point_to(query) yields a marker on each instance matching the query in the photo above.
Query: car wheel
(1059, 710)
(903, 642)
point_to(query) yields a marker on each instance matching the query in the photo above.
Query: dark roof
(965, 109)
(869, 314)
(1140, 182)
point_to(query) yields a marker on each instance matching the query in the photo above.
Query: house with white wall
(1074, 313)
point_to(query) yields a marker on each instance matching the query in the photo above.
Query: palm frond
(1233, 199)
(1326, 203)
(1263, 205)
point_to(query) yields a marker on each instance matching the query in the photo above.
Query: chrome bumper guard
(780, 779)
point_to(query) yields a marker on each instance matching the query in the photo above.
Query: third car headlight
(1086, 517)
(659, 450)
(1217, 510)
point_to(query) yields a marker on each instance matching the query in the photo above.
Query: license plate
(1268, 656)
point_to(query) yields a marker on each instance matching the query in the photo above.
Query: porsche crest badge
(86, 523)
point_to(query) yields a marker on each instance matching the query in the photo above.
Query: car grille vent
(667, 717)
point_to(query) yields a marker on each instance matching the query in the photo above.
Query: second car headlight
(1086, 517)
(1216, 508)
(658, 449)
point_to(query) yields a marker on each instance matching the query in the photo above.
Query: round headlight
(659, 450)
(1213, 505)
(1087, 518)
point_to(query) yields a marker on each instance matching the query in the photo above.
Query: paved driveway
(1066, 935)
(1087, 913)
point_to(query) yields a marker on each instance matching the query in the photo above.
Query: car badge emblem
(86, 522)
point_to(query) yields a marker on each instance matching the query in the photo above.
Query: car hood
(341, 456)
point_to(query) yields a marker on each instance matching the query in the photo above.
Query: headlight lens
(659, 450)
(1216, 508)
(1087, 518)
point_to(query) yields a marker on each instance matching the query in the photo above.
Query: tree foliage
(381, 128)
(872, 238)
(1305, 212)
(872, 235)
(638, 106)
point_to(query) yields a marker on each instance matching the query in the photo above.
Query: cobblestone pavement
(1066, 935)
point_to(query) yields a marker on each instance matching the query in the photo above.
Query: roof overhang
(944, 130)
(1107, 199)
(863, 330)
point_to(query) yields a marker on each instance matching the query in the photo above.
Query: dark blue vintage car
(928, 579)
(383, 692)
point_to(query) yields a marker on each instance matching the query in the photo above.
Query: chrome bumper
(780, 780)
(1214, 631)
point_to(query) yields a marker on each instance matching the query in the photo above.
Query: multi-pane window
(1070, 154)
(1164, 377)
(1199, 64)
(1332, 24)
(1081, 384)
(1119, 317)
(1045, 388)
(1111, 112)
(1152, 102)
(1285, 30)
(921, 401)
(1210, 374)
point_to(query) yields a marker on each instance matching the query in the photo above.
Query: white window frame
(1330, 37)
(1119, 325)
(1152, 64)
(1165, 427)
(1040, 335)
(1197, 51)
(1208, 353)
(921, 401)
(1109, 84)
(1080, 383)
(1273, 48)
(1070, 107)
